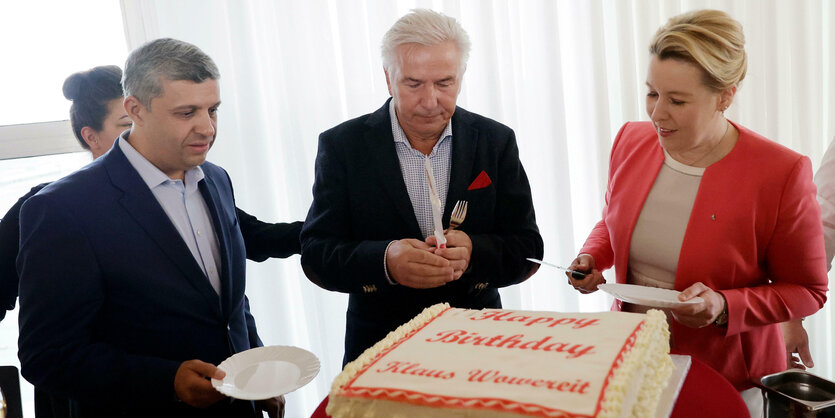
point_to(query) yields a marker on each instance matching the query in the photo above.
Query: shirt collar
(151, 175)
(400, 136)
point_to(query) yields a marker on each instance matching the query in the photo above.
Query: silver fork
(459, 212)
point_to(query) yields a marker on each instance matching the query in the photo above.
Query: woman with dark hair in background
(98, 117)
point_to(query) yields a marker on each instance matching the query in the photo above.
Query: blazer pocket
(481, 205)
(480, 193)
(481, 181)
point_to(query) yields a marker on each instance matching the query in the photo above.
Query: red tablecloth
(705, 393)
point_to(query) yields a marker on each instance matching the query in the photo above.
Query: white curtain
(564, 74)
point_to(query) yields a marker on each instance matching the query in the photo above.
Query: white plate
(266, 372)
(648, 296)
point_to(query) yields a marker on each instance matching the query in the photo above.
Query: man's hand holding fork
(421, 265)
(459, 247)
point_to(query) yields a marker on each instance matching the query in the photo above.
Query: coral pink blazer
(754, 234)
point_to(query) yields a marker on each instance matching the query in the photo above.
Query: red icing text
(516, 341)
(527, 320)
(414, 369)
(493, 376)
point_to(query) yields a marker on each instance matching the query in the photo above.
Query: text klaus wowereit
(563, 351)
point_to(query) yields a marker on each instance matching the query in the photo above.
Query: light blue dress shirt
(184, 205)
(414, 172)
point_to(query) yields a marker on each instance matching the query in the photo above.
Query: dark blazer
(262, 241)
(360, 204)
(269, 240)
(9, 242)
(111, 299)
(46, 404)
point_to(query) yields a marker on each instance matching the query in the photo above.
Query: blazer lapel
(210, 194)
(634, 196)
(140, 203)
(379, 141)
(464, 144)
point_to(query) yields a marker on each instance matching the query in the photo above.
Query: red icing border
(626, 346)
(381, 354)
(431, 400)
(494, 404)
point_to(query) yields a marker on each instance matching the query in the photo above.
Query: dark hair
(166, 58)
(90, 91)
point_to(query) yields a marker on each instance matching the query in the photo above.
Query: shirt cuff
(385, 267)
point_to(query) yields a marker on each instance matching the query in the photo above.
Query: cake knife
(579, 275)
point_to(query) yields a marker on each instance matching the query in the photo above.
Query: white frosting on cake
(449, 362)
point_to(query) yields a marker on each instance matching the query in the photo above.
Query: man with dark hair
(132, 269)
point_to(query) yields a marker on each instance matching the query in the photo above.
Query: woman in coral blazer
(705, 206)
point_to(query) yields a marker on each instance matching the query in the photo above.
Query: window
(49, 41)
(44, 42)
(21, 174)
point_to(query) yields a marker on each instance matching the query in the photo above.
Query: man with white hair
(370, 230)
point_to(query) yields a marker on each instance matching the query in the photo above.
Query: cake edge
(336, 405)
(653, 325)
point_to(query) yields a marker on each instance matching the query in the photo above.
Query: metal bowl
(799, 390)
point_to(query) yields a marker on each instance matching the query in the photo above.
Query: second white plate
(648, 296)
(266, 372)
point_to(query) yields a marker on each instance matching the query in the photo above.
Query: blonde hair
(710, 39)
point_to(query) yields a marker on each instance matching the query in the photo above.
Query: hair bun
(74, 84)
(96, 82)
(90, 92)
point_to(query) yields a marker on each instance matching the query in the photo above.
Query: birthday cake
(450, 362)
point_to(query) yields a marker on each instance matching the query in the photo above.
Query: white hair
(425, 27)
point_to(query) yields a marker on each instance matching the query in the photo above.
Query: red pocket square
(480, 182)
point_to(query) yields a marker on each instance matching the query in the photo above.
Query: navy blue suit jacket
(360, 204)
(111, 299)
